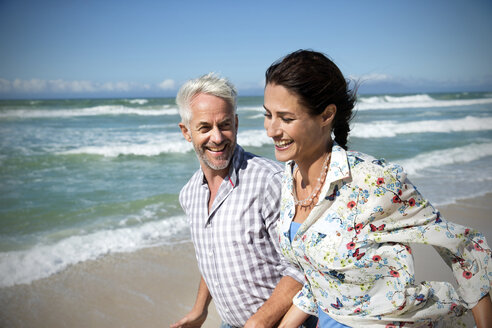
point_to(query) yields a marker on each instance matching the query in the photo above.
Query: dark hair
(318, 82)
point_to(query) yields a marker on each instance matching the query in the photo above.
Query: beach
(91, 230)
(156, 286)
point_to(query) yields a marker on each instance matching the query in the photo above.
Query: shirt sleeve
(304, 300)
(271, 213)
(182, 201)
(404, 216)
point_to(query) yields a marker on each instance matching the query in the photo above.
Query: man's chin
(218, 164)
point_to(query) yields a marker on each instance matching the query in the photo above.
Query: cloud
(166, 84)
(384, 83)
(33, 85)
(59, 86)
(372, 78)
(118, 86)
(69, 86)
(5, 86)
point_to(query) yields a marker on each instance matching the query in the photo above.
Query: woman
(355, 216)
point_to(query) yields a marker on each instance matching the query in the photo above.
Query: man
(232, 203)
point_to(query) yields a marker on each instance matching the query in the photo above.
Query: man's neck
(215, 177)
(214, 180)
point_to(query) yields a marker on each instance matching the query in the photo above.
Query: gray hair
(211, 84)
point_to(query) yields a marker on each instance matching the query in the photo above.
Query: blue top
(324, 320)
(294, 226)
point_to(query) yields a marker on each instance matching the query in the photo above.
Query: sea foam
(384, 129)
(169, 143)
(90, 111)
(414, 101)
(153, 149)
(251, 108)
(254, 138)
(23, 267)
(137, 101)
(440, 158)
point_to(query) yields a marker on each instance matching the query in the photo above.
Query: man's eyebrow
(205, 123)
(226, 121)
(202, 123)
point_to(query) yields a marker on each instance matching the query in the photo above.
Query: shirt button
(210, 253)
(217, 284)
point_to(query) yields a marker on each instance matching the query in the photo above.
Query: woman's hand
(482, 312)
(293, 318)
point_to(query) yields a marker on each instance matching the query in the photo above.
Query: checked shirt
(236, 243)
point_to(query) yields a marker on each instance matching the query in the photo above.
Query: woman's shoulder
(361, 163)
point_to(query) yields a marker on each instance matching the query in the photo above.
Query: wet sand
(155, 287)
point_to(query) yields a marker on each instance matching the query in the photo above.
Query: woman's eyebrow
(280, 113)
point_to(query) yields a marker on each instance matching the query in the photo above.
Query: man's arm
(272, 311)
(196, 317)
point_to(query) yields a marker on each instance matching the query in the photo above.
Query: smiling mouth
(217, 149)
(282, 144)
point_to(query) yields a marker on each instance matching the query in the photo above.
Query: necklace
(309, 200)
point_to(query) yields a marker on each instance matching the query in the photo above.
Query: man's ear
(185, 131)
(328, 115)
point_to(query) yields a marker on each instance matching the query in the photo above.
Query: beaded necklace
(309, 200)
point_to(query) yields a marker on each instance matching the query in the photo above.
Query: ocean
(82, 178)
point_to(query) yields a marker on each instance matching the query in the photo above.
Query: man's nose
(217, 136)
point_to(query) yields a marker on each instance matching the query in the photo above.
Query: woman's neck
(308, 181)
(310, 168)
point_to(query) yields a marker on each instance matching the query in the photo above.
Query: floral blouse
(353, 249)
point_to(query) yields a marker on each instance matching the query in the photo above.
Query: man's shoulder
(256, 162)
(192, 183)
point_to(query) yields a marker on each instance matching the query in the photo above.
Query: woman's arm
(294, 318)
(482, 312)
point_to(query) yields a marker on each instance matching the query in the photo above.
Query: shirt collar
(339, 166)
(339, 169)
(237, 161)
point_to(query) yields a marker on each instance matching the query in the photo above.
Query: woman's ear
(328, 115)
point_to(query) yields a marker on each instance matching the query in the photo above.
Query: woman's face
(296, 134)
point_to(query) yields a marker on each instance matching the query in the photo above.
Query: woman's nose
(271, 128)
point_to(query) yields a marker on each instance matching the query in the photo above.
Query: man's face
(212, 130)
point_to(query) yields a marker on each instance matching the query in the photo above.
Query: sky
(118, 48)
